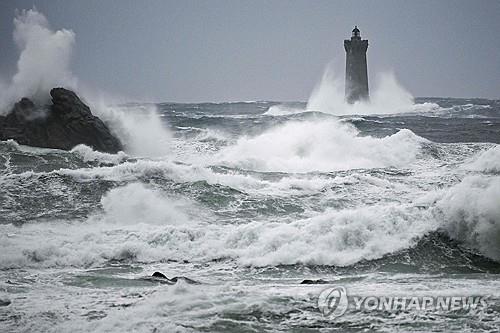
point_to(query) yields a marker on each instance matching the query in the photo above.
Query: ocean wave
(426, 108)
(283, 110)
(145, 223)
(135, 224)
(486, 161)
(13, 145)
(333, 238)
(136, 203)
(254, 183)
(338, 238)
(209, 134)
(320, 146)
(90, 155)
(139, 223)
(471, 213)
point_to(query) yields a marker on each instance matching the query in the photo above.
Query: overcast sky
(268, 50)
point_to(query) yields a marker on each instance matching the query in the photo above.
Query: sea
(250, 199)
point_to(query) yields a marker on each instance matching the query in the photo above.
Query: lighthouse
(356, 72)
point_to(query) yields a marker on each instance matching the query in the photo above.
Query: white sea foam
(135, 203)
(386, 97)
(13, 144)
(133, 171)
(141, 223)
(332, 238)
(30, 149)
(90, 155)
(252, 183)
(320, 146)
(335, 237)
(282, 110)
(471, 213)
(486, 161)
(61, 244)
(135, 218)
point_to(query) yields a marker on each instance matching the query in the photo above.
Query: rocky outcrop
(63, 125)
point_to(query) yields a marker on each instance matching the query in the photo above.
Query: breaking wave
(141, 223)
(471, 213)
(282, 110)
(487, 161)
(136, 204)
(332, 238)
(89, 155)
(320, 146)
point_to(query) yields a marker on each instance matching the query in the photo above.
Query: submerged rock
(162, 278)
(63, 125)
(4, 302)
(159, 275)
(320, 281)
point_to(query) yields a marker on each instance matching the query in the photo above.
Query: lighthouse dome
(355, 32)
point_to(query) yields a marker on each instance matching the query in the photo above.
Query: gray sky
(268, 50)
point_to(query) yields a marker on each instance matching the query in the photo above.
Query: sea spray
(139, 128)
(387, 97)
(327, 96)
(44, 60)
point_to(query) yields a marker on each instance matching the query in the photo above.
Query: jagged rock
(62, 125)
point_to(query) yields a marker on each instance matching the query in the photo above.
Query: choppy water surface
(250, 199)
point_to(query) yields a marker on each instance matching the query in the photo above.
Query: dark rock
(4, 302)
(320, 281)
(159, 275)
(162, 278)
(63, 125)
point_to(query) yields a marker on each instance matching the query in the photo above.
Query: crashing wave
(470, 212)
(320, 146)
(90, 155)
(486, 161)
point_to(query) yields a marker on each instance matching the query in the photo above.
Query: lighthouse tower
(356, 73)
